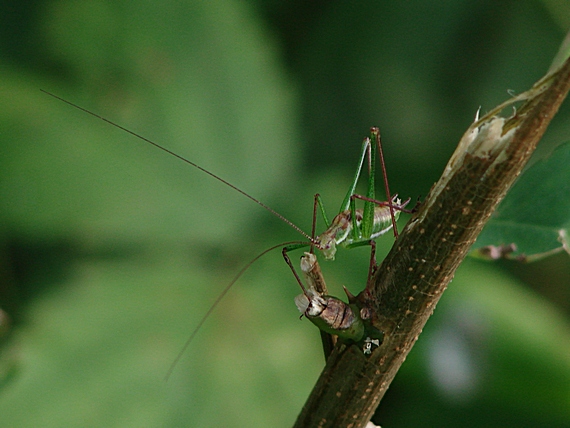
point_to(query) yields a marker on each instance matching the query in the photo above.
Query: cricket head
(337, 233)
(329, 249)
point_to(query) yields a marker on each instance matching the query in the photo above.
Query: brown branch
(407, 286)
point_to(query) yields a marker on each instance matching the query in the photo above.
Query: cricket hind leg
(372, 148)
(398, 207)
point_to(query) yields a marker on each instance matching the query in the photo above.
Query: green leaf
(199, 79)
(204, 80)
(533, 220)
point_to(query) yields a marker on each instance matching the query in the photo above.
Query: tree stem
(407, 286)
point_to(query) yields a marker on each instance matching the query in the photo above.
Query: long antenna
(215, 304)
(164, 149)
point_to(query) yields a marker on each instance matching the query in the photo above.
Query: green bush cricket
(350, 228)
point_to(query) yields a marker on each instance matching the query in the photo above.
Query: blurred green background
(112, 251)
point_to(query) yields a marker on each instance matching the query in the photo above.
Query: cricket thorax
(342, 232)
